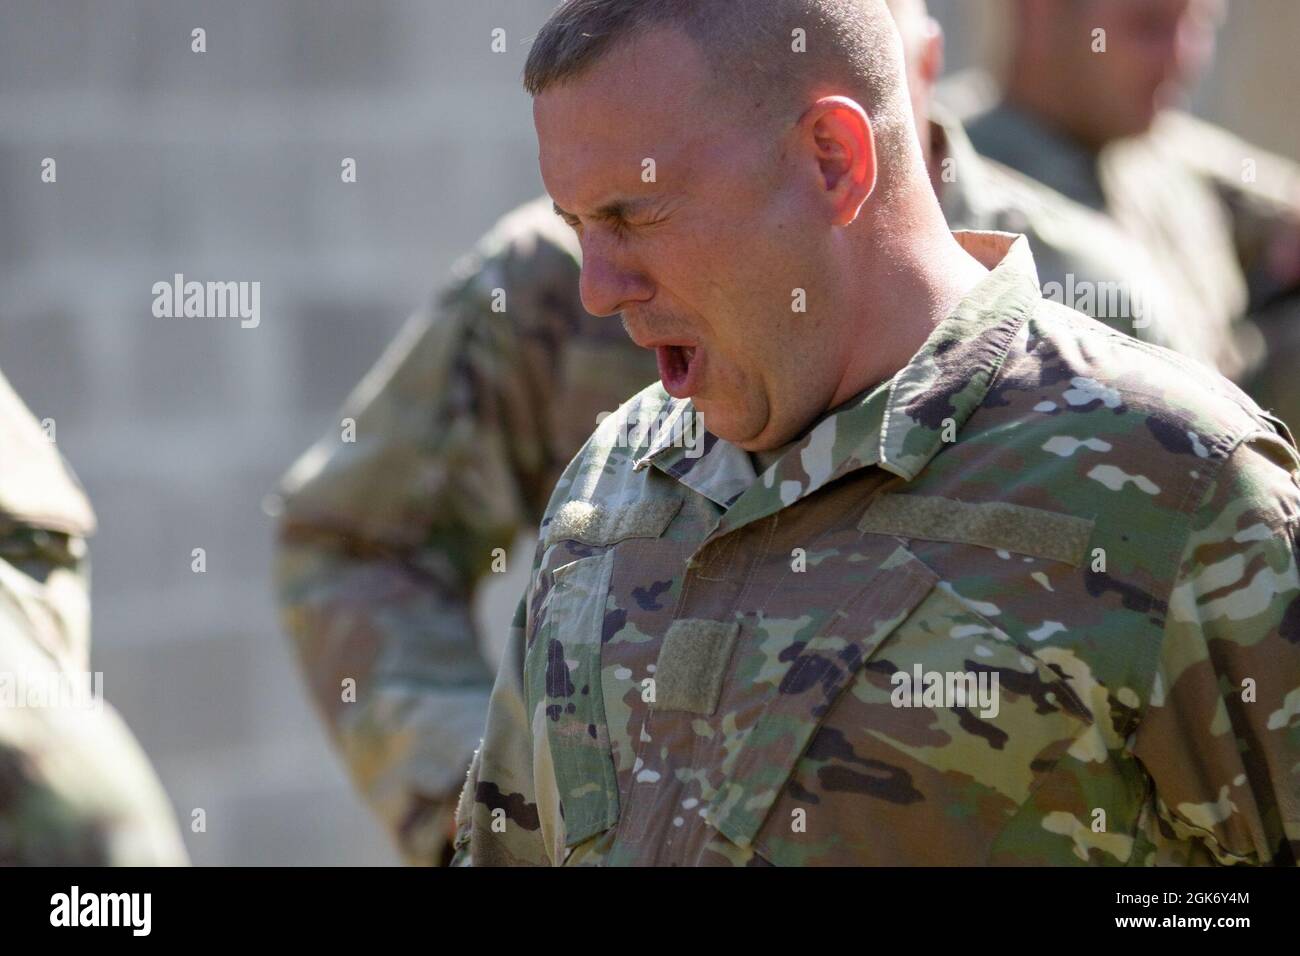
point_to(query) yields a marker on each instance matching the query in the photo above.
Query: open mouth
(679, 369)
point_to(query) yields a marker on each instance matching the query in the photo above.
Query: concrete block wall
(224, 165)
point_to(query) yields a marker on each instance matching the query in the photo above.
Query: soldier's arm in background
(460, 433)
(1084, 259)
(75, 787)
(1261, 192)
(1221, 739)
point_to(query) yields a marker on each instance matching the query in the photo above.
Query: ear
(932, 52)
(844, 149)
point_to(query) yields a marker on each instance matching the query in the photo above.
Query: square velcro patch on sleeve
(989, 524)
(692, 664)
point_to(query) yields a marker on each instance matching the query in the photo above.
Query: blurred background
(225, 165)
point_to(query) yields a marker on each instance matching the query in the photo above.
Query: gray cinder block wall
(225, 165)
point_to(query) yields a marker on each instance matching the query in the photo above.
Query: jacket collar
(899, 424)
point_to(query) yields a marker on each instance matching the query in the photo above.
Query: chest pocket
(861, 759)
(562, 670)
(562, 666)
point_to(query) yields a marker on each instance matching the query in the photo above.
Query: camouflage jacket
(1261, 193)
(1206, 215)
(75, 788)
(1086, 543)
(1085, 260)
(462, 430)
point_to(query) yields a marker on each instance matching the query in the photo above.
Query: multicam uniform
(706, 666)
(75, 788)
(462, 430)
(1214, 219)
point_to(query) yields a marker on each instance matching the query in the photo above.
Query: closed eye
(619, 224)
(622, 226)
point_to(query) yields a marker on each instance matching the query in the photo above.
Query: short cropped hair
(850, 47)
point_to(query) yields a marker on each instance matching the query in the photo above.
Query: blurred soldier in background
(462, 429)
(467, 422)
(1088, 110)
(75, 788)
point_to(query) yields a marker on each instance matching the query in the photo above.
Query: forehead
(643, 100)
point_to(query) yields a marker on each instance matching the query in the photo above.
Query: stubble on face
(720, 272)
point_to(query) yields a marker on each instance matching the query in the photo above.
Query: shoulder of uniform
(1177, 395)
(1191, 135)
(36, 486)
(1224, 159)
(1021, 204)
(530, 226)
(624, 434)
(1015, 187)
(529, 247)
(627, 427)
(602, 472)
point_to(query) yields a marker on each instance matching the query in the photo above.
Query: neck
(906, 276)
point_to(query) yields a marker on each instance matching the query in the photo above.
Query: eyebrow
(617, 209)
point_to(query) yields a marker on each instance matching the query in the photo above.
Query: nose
(610, 277)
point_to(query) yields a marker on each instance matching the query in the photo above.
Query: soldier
(960, 575)
(465, 425)
(75, 788)
(462, 429)
(1088, 109)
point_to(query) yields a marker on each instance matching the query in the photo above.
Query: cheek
(697, 262)
(774, 272)
(732, 283)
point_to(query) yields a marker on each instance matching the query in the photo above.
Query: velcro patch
(598, 525)
(692, 663)
(988, 524)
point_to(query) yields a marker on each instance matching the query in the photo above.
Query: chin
(725, 423)
(763, 440)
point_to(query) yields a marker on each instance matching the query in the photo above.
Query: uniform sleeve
(78, 791)
(1262, 193)
(497, 821)
(387, 530)
(1221, 736)
(75, 787)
